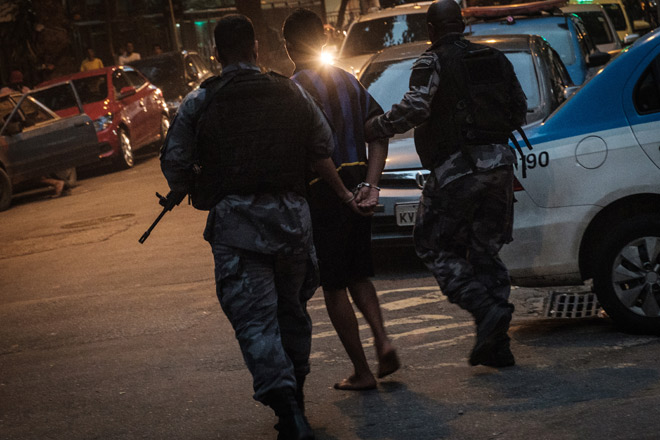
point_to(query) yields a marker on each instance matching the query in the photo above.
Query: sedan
(36, 142)
(543, 78)
(128, 111)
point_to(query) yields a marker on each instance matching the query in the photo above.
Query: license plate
(405, 214)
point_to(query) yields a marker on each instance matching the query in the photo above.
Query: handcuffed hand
(367, 199)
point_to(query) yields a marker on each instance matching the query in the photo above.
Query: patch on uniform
(422, 70)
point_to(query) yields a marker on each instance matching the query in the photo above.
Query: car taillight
(517, 186)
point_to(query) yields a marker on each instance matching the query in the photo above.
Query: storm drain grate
(572, 305)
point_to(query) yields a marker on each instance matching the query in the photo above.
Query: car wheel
(627, 277)
(70, 177)
(164, 126)
(126, 158)
(5, 190)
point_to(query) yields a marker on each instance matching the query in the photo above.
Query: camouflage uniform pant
(459, 231)
(265, 298)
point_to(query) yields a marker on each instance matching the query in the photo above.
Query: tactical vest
(473, 105)
(251, 139)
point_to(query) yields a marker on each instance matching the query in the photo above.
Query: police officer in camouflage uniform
(253, 136)
(465, 214)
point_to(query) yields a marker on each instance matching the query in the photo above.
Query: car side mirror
(570, 91)
(630, 39)
(126, 91)
(598, 58)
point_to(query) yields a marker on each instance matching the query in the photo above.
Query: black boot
(502, 356)
(492, 327)
(292, 424)
(300, 395)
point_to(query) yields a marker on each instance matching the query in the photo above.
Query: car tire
(627, 275)
(70, 177)
(126, 158)
(5, 190)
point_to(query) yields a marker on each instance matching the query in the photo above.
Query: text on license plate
(405, 213)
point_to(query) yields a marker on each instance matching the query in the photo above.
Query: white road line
(318, 297)
(426, 330)
(412, 302)
(390, 323)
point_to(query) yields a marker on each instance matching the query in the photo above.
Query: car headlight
(103, 122)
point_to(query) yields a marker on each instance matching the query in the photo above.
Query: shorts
(343, 247)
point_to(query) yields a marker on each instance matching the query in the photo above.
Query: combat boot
(492, 327)
(502, 356)
(300, 395)
(292, 424)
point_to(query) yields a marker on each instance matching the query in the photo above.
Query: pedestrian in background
(16, 84)
(91, 62)
(342, 237)
(465, 213)
(129, 55)
(253, 136)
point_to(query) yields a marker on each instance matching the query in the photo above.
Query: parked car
(128, 111)
(627, 17)
(566, 33)
(378, 30)
(175, 74)
(36, 142)
(589, 192)
(541, 73)
(598, 24)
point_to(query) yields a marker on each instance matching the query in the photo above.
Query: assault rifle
(168, 202)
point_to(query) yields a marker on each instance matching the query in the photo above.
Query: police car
(589, 192)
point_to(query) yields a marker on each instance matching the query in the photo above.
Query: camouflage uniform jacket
(415, 108)
(264, 223)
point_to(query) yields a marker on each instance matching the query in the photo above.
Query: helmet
(446, 16)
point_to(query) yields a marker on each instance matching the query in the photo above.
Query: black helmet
(445, 16)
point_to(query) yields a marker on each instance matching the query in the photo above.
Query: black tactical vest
(474, 103)
(251, 139)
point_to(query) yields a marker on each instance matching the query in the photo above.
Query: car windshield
(166, 72)
(92, 88)
(373, 35)
(616, 15)
(556, 34)
(387, 81)
(597, 26)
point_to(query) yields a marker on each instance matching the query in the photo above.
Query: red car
(128, 111)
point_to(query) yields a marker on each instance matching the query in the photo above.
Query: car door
(150, 104)
(39, 142)
(642, 105)
(132, 108)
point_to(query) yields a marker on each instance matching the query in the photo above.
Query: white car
(589, 192)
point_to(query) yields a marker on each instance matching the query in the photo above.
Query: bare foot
(59, 188)
(388, 363)
(356, 384)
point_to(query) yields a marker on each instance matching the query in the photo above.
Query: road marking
(426, 330)
(319, 298)
(412, 302)
(390, 323)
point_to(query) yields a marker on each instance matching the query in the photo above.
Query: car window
(373, 35)
(646, 95)
(92, 88)
(199, 64)
(597, 26)
(6, 106)
(59, 98)
(616, 15)
(387, 82)
(119, 81)
(559, 78)
(136, 79)
(32, 113)
(587, 45)
(523, 65)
